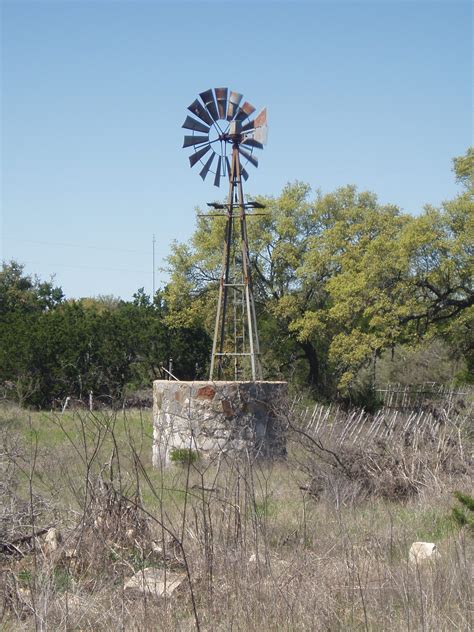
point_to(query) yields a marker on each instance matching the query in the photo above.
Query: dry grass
(259, 546)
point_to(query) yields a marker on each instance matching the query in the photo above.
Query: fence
(416, 396)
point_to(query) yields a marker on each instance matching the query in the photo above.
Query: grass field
(293, 545)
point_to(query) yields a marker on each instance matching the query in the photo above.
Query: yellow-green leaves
(339, 277)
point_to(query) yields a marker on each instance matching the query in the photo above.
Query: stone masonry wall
(219, 418)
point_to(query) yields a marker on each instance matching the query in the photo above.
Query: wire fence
(427, 394)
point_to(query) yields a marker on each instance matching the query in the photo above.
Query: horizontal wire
(68, 265)
(66, 245)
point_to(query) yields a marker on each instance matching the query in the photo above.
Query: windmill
(224, 139)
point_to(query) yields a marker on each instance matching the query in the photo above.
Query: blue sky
(376, 94)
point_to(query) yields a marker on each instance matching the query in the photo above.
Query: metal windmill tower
(223, 130)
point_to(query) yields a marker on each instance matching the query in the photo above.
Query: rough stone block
(216, 418)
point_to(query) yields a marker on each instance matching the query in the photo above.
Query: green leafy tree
(74, 347)
(338, 279)
(19, 291)
(297, 251)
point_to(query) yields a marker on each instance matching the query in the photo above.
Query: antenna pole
(153, 248)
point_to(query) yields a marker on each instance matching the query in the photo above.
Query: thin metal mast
(234, 340)
(153, 263)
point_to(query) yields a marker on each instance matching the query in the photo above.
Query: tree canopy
(339, 278)
(51, 348)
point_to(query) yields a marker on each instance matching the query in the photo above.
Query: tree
(21, 292)
(297, 249)
(337, 279)
(92, 345)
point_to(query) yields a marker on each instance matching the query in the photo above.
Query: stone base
(216, 418)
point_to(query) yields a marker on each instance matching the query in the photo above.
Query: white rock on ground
(151, 581)
(422, 551)
(52, 541)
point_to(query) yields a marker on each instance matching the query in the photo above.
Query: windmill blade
(248, 155)
(251, 142)
(221, 97)
(196, 126)
(217, 179)
(244, 172)
(248, 126)
(208, 98)
(189, 141)
(199, 154)
(205, 170)
(197, 109)
(234, 99)
(246, 110)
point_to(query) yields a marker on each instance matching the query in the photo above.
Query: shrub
(184, 456)
(464, 515)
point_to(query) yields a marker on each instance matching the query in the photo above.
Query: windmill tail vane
(224, 139)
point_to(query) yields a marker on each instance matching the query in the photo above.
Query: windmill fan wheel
(220, 123)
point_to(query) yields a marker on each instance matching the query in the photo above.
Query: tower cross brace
(235, 338)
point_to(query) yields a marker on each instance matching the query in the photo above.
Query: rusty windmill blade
(198, 110)
(189, 141)
(205, 170)
(195, 126)
(217, 179)
(196, 157)
(208, 99)
(234, 99)
(251, 142)
(221, 98)
(246, 154)
(244, 173)
(246, 110)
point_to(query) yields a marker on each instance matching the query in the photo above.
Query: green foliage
(184, 456)
(463, 516)
(25, 577)
(21, 293)
(339, 279)
(103, 345)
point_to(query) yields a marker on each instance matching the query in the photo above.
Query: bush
(184, 456)
(464, 515)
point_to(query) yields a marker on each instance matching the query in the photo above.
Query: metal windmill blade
(234, 99)
(244, 172)
(217, 179)
(194, 158)
(221, 98)
(246, 110)
(252, 159)
(208, 99)
(205, 170)
(195, 126)
(197, 109)
(189, 141)
(251, 142)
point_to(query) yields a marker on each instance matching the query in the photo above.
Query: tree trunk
(313, 362)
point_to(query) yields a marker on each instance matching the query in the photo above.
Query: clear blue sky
(376, 94)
